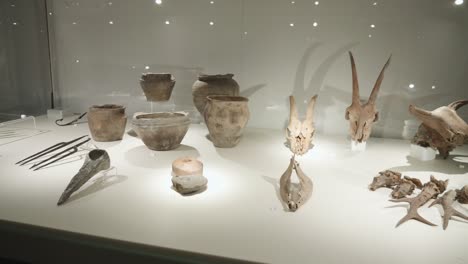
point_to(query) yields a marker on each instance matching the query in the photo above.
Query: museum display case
(233, 131)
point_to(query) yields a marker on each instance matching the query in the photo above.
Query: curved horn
(310, 109)
(375, 91)
(293, 114)
(419, 113)
(457, 104)
(355, 80)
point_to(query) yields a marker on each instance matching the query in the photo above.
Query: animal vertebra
(362, 116)
(430, 190)
(295, 195)
(386, 178)
(96, 161)
(442, 129)
(447, 203)
(406, 187)
(462, 195)
(299, 134)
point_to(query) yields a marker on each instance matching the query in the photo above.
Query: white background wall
(272, 47)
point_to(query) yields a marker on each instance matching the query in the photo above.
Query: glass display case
(271, 131)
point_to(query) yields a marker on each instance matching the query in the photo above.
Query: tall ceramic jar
(220, 84)
(226, 117)
(107, 122)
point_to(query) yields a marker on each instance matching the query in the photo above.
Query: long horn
(419, 113)
(457, 104)
(375, 91)
(293, 114)
(310, 109)
(355, 80)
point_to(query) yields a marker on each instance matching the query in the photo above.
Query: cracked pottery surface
(226, 118)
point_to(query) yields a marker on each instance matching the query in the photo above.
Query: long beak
(375, 91)
(355, 81)
(310, 109)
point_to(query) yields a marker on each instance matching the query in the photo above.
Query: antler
(356, 100)
(447, 204)
(375, 90)
(457, 104)
(310, 109)
(429, 191)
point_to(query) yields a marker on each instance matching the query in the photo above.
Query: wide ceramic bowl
(161, 131)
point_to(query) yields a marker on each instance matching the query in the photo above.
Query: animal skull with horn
(442, 129)
(362, 116)
(299, 133)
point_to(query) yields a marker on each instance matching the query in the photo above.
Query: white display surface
(240, 214)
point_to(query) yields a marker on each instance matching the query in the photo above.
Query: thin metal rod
(58, 156)
(48, 150)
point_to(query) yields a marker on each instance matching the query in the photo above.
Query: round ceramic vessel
(107, 122)
(157, 86)
(226, 117)
(206, 85)
(161, 131)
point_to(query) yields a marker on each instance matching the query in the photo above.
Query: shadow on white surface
(143, 157)
(275, 183)
(97, 185)
(451, 165)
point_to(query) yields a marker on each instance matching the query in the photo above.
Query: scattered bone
(430, 190)
(462, 195)
(447, 204)
(387, 178)
(405, 187)
(295, 195)
(362, 116)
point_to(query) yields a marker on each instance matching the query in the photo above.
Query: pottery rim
(227, 98)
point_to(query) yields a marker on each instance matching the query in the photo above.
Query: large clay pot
(107, 122)
(157, 86)
(226, 117)
(220, 84)
(161, 131)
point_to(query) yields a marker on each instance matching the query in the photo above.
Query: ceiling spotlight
(458, 2)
